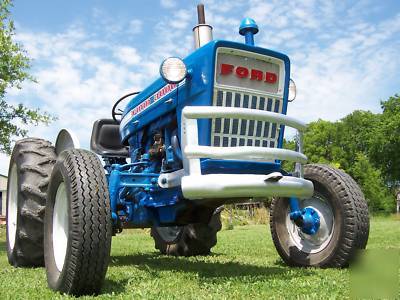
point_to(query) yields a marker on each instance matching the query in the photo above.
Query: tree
(354, 134)
(372, 184)
(385, 144)
(364, 145)
(320, 142)
(14, 65)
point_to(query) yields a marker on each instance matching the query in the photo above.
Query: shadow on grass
(112, 286)
(207, 271)
(3, 246)
(217, 272)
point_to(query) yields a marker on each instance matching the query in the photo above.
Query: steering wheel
(118, 112)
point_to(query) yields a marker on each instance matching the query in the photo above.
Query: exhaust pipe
(202, 32)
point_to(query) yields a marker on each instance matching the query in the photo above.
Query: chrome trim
(202, 34)
(240, 185)
(246, 153)
(204, 112)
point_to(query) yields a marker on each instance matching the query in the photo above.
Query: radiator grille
(237, 132)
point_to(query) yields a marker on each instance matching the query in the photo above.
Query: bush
(372, 184)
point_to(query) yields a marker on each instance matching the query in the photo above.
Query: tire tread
(28, 153)
(91, 224)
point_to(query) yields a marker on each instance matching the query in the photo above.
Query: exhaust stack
(202, 32)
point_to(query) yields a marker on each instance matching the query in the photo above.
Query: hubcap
(60, 226)
(169, 234)
(318, 241)
(12, 208)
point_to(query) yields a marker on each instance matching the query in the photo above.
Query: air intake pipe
(202, 32)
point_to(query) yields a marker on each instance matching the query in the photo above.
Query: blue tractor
(208, 132)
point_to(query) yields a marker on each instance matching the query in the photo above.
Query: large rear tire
(78, 225)
(30, 167)
(344, 221)
(189, 240)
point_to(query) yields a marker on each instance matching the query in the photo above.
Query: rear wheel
(344, 221)
(30, 166)
(189, 240)
(78, 226)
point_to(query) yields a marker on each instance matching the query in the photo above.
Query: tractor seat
(106, 140)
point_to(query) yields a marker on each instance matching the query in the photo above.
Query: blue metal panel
(217, 166)
(197, 90)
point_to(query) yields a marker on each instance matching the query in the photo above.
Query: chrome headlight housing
(173, 70)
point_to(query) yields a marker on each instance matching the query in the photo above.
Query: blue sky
(86, 54)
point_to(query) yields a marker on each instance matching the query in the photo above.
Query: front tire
(78, 225)
(344, 218)
(31, 163)
(188, 240)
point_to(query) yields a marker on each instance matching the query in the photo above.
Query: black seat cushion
(106, 140)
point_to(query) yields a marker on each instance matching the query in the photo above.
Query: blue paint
(307, 218)
(248, 28)
(196, 90)
(249, 38)
(134, 193)
(311, 221)
(294, 208)
(219, 166)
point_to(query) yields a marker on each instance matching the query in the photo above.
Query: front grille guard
(198, 186)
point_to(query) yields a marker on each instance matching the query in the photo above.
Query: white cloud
(135, 26)
(127, 55)
(168, 3)
(79, 78)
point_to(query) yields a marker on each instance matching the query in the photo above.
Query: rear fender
(66, 139)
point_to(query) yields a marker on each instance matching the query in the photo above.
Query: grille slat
(228, 132)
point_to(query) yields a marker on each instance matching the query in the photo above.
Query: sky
(345, 55)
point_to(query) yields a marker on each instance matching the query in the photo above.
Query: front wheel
(77, 236)
(344, 221)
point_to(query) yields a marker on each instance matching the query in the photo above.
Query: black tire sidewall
(55, 278)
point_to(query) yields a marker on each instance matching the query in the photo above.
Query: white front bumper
(239, 185)
(197, 186)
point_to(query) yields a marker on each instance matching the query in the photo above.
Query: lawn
(244, 264)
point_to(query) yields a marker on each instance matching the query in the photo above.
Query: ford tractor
(208, 132)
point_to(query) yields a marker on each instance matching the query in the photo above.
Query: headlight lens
(173, 70)
(292, 91)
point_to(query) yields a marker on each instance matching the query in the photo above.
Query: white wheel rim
(319, 241)
(60, 226)
(12, 207)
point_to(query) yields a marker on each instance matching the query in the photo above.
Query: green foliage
(385, 144)
(319, 142)
(371, 181)
(13, 71)
(366, 146)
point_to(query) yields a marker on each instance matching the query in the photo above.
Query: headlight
(292, 91)
(173, 70)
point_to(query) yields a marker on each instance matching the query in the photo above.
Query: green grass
(244, 264)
